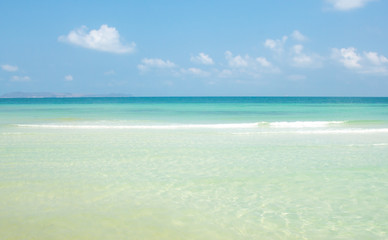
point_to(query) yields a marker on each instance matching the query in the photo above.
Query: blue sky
(195, 48)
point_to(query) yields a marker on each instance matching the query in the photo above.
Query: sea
(194, 168)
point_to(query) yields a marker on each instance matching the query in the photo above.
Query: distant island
(59, 95)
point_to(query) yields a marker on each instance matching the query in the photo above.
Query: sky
(195, 48)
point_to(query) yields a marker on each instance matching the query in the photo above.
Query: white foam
(322, 131)
(380, 144)
(304, 124)
(346, 131)
(175, 126)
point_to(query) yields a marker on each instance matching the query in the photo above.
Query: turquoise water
(194, 168)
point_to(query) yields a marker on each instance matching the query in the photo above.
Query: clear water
(194, 168)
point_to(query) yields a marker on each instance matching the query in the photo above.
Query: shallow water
(234, 169)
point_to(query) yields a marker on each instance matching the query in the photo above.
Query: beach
(194, 168)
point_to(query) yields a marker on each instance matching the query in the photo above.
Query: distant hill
(58, 95)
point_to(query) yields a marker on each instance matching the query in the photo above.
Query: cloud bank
(287, 56)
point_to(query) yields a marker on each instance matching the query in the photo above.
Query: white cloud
(246, 66)
(301, 59)
(202, 58)
(374, 58)
(297, 49)
(236, 61)
(148, 63)
(375, 63)
(196, 72)
(347, 56)
(106, 39)
(345, 5)
(69, 77)
(263, 62)
(276, 45)
(296, 56)
(236, 66)
(379, 70)
(225, 73)
(298, 36)
(20, 78)
(9, 68)
(368, 63)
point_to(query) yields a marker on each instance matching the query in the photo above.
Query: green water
(189, 168)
